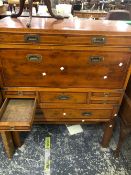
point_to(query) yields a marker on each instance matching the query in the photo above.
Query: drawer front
(76, 114)
(106, 98)
(64, 69)
(64, 39)
(104, 101)
(17, 114)
(63, 97)
(106, 94)
(19, 94)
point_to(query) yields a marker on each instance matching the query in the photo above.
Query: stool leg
(124, 131)
(8, 143)
(107, 133)
(16, 138)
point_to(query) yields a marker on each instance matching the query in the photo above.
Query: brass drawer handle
(87, 114)
(98, 40)
(12, 128)
(20, 93)
(63, 97)
(96, 59)
(32, 38)
(34, 57)
(106, 94)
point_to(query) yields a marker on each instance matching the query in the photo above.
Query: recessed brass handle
(98, 40)
(34, 57)
(96, 59)
(29, 38)
(20, 93)
(106, 94)
(88, 114)
(63, 97)
(11, 128)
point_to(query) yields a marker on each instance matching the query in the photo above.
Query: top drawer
(37, 38)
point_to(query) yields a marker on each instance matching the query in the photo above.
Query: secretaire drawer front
(63, 97)
(64, 69)
(17, 114)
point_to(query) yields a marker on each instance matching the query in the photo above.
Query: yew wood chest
(76, 69)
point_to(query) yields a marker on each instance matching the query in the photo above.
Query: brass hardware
(34, 57)
(29, 38)
(87, 114)
(11, 128)
(106, 94)
(63, 97)
(96, 59)
(98, 40)
(20, 93)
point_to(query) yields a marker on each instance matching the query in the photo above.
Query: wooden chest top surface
(78, 26)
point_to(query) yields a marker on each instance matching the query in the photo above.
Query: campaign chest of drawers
(76, 69)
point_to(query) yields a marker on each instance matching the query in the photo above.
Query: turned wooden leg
(124, 131)
(107, 133)
(16, 139)
(8, 143)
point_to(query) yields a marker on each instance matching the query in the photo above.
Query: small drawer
(105, 98)
(106, 94)
(17, 114)
(63, 97)
(19, 94)
(105, 101)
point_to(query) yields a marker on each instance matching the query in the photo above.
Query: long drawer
(64, 69)
(93, 40)
(81, 115)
